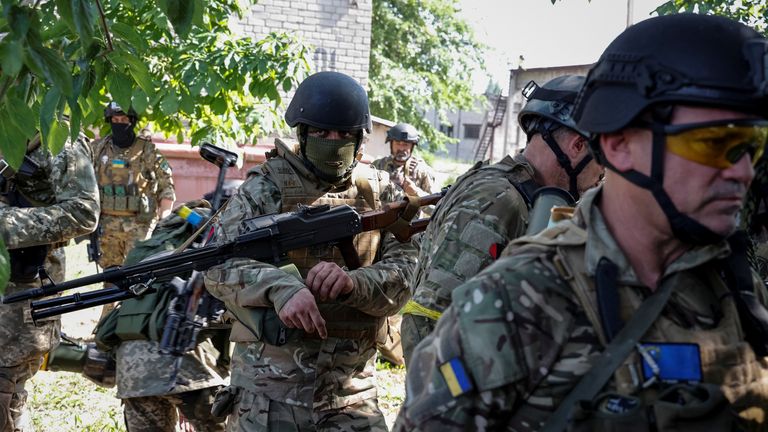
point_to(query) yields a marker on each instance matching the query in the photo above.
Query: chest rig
(298, 186)
(725, 357)
(124, 187)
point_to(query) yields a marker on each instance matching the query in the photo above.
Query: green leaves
(753, 13)
(174, 61)
(5, 267)
(422, 56)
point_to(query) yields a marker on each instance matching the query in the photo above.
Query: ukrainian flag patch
(456, 377)
(118, 163)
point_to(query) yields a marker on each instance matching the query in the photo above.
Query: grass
(68, 402)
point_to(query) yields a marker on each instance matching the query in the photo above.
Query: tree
(753, 13)
(422, 56)
(175, 61)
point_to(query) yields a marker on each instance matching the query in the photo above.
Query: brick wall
(338, 30)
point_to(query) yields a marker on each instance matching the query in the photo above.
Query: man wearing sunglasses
(639, 313)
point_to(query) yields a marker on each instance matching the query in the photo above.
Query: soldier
(635, 314)
(135, 182)
(305, 350)
(51, 199)
(409, 172)
(488, 206)
(416, 178)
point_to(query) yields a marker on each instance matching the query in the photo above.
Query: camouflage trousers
(22, 347)
(256, 413)
(119, 234)
(161, 413)
(413, 330)
(391, 350)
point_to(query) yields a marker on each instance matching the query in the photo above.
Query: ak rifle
(266, 238)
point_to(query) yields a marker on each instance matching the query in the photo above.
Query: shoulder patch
(455, 375)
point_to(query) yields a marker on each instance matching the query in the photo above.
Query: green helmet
(403, 132)
(551, 104)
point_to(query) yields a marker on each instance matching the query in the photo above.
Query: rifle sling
(612, 357)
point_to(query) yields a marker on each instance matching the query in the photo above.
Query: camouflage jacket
(482, 209)
(521, 337)
(305, 371)
(414, 168)
(64, 198)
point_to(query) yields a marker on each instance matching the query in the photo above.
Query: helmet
(684, 58)
(403, 132)
(330, 100)
(113, 108)
(549, 108)
(691, 59)
(552, 102)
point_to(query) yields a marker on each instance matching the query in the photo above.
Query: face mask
(332, 158)
(123, 135)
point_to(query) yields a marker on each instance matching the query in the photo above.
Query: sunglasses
(719, 144)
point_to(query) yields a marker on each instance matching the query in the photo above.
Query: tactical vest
(124, 189)
(726, 358)
(298, 186)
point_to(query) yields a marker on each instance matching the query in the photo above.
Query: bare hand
(327, 281)
(301, 312)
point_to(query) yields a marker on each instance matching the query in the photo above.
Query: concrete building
(465, 126)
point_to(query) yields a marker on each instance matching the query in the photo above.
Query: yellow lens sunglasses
(719, 144)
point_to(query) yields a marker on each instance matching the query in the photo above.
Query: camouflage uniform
(145, 177)
(414, 168)
(483, 208)
(144, 383)
(525, 335)
(421, 174)
(63, 204)
(153, 386)
(308, 383)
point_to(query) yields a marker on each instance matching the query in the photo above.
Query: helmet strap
(683, 226)
(563, 160)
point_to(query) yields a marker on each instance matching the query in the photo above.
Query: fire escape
(494, 118)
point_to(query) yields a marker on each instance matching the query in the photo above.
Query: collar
(601, 243)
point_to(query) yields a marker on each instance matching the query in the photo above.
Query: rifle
(94, 245)
(185, 319)
(266, 238)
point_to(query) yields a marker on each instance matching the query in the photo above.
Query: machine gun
(266, 238)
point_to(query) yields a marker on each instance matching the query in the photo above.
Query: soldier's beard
(402, 156)
(331, 158)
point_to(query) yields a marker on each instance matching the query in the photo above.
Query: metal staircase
(494, 118)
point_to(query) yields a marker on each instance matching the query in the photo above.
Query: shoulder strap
(614, 355)
(569, 262)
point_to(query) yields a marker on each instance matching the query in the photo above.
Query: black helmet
(330, 100)
(549, 108)
(690, 59)
(551, 102)
(113, 108)
(403, 132)
(683, 58)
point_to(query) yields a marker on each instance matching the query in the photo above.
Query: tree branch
(103, 20)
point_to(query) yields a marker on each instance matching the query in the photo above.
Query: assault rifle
(266, 238)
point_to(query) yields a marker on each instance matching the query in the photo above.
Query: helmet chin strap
(565, 162)
(683, 226)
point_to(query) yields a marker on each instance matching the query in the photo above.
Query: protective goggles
(719, 144)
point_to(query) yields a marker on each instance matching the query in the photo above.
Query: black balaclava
(123, 135)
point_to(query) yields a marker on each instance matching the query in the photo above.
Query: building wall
(461, 125)
(338, 30)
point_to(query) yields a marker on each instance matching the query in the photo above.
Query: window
(447, 129)
(471, 131)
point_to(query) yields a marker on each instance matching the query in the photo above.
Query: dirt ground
(67, 402)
